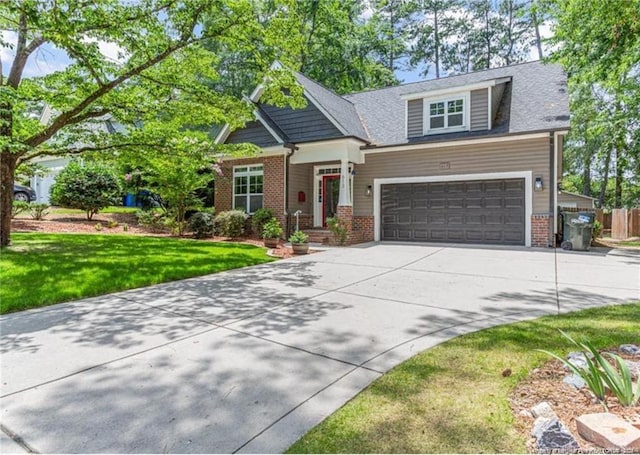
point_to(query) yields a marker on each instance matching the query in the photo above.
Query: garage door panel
(467, 212)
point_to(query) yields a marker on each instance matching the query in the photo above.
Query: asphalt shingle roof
(343, 111)
(538, 95)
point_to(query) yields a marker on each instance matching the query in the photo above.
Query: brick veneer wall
(364, 224)
(540, 230)
(273, 184)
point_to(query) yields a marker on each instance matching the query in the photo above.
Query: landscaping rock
(525, 413)
(634, 369)
(608, 431)
(577, 359)
(575, 381)
(543, 410)
(630, 349)
(552, 436)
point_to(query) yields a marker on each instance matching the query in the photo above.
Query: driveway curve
(249, 360)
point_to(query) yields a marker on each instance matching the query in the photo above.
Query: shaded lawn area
(453, 398)
(43, 269)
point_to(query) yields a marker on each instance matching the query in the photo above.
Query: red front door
(330, 195)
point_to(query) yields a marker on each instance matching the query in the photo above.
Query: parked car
(23, 193)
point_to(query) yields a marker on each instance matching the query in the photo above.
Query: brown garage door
(479, 211)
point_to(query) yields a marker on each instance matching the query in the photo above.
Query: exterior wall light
(538, 183)
(367, 192)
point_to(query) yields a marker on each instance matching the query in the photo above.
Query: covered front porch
(321, 184)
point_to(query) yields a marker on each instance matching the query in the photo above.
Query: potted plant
(299, 242)
(271, 232)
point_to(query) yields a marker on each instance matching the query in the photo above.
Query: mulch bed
(545, 384)
(78, 224)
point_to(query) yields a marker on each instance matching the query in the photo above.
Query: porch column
(345, 182)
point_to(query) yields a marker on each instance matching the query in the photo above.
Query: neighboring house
(43, 182)
(573, 200)
(473, 158)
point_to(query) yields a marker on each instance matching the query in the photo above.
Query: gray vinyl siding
(513, 156)
(253, 133)
(301, 179)
(479, 110)
(301, 125)
(496, 97)
(415, 119)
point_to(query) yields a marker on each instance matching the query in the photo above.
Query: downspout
(551, 241)
(292, 149)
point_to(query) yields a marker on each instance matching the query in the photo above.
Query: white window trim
(528, 193)
(426, 113)
(247, 173)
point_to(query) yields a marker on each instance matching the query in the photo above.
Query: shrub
(338, 229)
(272, 229)
(18, 207)
(202, 224)
(151, 219)
(597, 229)
(125, 227)
(231, 223)
(89, 186)
(112, 224)
(259, 218)
(298, 237)
(38, 211)
(98, 226)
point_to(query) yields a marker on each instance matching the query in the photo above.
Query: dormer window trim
(449, 110)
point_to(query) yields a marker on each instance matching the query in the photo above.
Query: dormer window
(446, 115)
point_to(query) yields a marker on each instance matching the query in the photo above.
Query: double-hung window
(445, 115)
(248, 187)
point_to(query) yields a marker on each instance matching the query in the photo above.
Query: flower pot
(271, 243)
(300, 248)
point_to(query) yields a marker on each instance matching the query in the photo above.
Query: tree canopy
(159, 87)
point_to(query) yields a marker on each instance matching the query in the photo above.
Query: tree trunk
(536, 26)
(436, 36)
(586, 173)
(605, 179)
(8, 163)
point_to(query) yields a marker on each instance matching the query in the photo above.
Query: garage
(474, 211)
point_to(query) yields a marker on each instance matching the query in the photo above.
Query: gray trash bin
(577, 230)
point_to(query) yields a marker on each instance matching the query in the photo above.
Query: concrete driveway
(249, 360)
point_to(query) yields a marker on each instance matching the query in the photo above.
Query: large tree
(159, 84)
(598, 43)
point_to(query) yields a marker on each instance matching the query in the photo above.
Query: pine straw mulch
(545, 384)
(78, 224)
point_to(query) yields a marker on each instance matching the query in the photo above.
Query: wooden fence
(623, 223)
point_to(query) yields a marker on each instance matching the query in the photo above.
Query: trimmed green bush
(18, 207)
(298, 237)
(38, 210)
(202, 224)
(89, 186)
(259, 218)
(231, 223)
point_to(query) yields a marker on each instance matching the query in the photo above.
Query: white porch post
(345, 182)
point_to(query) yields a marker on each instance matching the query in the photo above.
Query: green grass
(453, 398)
(43, 269)
(112, 209)
(629, 243)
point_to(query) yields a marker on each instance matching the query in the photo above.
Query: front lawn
(453, 398)
(43, 269)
